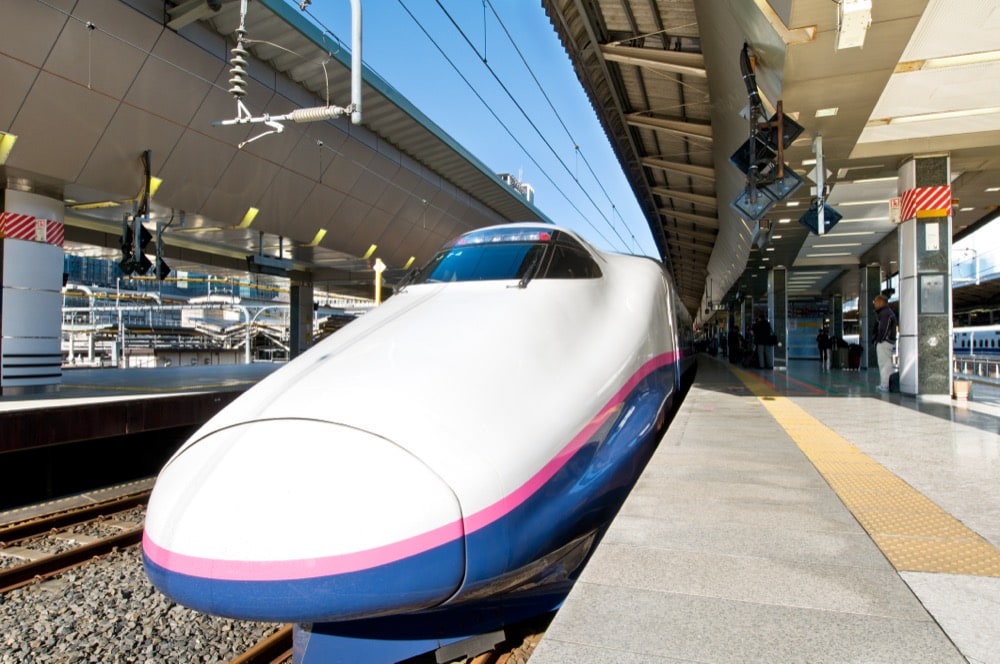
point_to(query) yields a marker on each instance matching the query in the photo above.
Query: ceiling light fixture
(940, 115)
(320, 234)
(248, 217)
(6, 145)
(827, 112)
(854, 17)
(962, 60)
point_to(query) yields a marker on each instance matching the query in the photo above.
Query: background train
(442, 466)
(981, 341)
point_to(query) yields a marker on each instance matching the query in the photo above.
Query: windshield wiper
(407, 278)
(529, 274)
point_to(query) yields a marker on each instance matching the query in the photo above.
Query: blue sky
(558, 152)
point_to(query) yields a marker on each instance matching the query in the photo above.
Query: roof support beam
(675, 62)
(701, 220)
(699, 130)
(703, 172)
(693, 233)
(693, 246)
(687, 197)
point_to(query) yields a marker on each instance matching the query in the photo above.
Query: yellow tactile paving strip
(914, 534)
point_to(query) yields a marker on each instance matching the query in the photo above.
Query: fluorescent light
(96, 205)
(409, 262)
(827, 112)
(992, 189)
(869, 202)
(775, 237)
(6, 145)
(792, 203)
(785, 220)
(940, 115)
(248, 217)
(371, 250)
(961, 60)
(888, 178)
(809, 162)
(320, 234)
(853, 20)
(845, 253)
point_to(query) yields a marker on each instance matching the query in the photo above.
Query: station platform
(800, 516)
(99, 403)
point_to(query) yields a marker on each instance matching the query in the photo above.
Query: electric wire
(524, 113)
(548, 100)
(517, 141)
(493, 112)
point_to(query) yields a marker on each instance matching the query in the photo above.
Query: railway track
(43, 547)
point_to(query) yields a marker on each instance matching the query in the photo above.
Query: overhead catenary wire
(571, 200)
(524, 113)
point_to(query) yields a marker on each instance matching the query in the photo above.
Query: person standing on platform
(762, 338)
(735, 344)
(823, 343)
(884, 338)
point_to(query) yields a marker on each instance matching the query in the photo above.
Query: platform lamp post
(379, 268)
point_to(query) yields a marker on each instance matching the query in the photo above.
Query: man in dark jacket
(884, 338)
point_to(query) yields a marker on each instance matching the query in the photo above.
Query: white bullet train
(443, 464)
(978, 341)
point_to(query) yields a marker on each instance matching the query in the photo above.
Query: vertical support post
(871, 285)
(925, 303)
(300, 314)
(777, 309)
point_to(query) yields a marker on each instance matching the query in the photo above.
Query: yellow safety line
(914, 534)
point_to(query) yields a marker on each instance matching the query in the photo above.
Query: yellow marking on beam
(914, 534)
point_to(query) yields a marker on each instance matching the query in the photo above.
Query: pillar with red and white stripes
(925, 305)
(31, 265)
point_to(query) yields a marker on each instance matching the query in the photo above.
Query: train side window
(571, 262)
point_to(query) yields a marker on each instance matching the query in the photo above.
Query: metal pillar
(925, 304)
(300, 314)
(871, 285)
(777, 313)
(837, 316)
(31, 265)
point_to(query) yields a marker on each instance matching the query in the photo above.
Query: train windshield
(509, 254)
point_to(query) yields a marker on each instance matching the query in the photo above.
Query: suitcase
(854, 357)
(894, 381)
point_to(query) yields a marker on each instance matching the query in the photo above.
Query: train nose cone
(302, 520)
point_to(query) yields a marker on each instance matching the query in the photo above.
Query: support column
(300, 314)
(837, 316)
(777, 313)
(925, 303)
(871, 285)
(31, 264)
